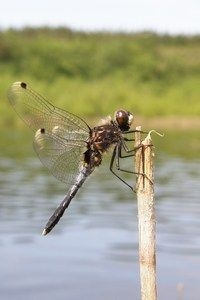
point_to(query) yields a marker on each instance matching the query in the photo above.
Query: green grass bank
(93, 74)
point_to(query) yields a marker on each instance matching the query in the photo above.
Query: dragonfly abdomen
(54, 219)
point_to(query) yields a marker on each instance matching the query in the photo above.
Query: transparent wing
(60, 137)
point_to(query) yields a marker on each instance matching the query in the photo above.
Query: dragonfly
(67, 145)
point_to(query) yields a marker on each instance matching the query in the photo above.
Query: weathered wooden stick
(146, 216)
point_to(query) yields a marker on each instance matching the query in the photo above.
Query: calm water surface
(93, 251)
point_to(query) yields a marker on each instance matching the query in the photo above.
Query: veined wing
(37, 112)
(60, 137)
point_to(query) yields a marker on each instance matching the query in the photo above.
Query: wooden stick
(146, 216)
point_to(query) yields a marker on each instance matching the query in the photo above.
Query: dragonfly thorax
(101, 139)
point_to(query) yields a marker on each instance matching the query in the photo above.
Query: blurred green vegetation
(93, 74)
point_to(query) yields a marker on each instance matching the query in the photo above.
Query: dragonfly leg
(130, 152)
(115, 159)
(119, 156)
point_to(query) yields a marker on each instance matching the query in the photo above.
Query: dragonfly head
(124, 119)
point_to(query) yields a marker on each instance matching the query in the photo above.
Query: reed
(146, 216)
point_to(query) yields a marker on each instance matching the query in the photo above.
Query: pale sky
(163, 16)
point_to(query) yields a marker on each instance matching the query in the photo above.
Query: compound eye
(122, 117)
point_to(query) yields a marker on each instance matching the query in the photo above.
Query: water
(93, 252)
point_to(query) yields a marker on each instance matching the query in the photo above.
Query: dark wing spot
(23, 85)
(42, 130)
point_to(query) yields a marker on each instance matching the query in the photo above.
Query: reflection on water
(93, 251)
(178, 208)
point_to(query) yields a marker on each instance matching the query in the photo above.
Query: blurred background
(92, 58)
